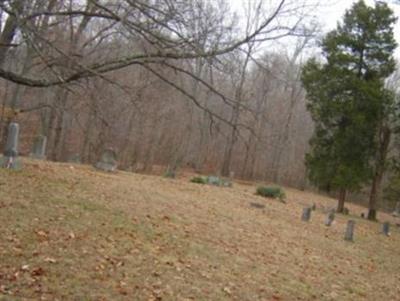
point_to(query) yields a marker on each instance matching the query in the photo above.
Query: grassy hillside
(69, 232)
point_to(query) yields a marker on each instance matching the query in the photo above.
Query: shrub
(198, 180)
(271, 192)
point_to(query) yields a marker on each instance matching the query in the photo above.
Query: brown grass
(68, 232)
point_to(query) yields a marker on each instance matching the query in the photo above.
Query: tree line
(184, 84)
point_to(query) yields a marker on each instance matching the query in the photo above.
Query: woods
(178, 85)
(199, 150)
(196, 85)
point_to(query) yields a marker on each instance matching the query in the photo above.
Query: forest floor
(69, 232)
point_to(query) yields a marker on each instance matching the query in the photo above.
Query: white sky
(335, 11)
(332, 11)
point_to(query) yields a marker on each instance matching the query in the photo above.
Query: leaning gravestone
(39, 147)
(10, 155)
(349, 230)
(108, 161)
(386, 228)
(330, 218)
(305, 217)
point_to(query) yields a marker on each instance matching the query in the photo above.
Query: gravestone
(346, 211)
(257, 205)
(10, 154)
(396, 211)
(218, 181)
(226, 183)
(348, 236)
(305, 217)
(39, 147)
(108, 161)
(386, 228)
(213, 180)
(314, 207)
(330, 217)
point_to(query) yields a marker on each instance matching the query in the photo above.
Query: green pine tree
(347, 98)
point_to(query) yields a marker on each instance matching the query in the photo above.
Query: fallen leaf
(37, 272)
(49, 259)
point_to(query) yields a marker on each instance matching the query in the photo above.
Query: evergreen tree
(348, 100)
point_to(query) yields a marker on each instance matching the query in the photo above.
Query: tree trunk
(341, 200)
(226, 165)
(373, 198)
(384, 135)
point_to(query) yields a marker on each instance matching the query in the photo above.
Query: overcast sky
(332, 11)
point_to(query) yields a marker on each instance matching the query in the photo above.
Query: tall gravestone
(386, 228)
(306, 215)
(10, 153)
(349, 234)
(396, 211)
(108, 160)
(39, 147)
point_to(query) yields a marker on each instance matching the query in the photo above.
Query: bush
(198, 180)
(271, 192)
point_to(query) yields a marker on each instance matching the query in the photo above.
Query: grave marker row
(349, 233)
(107, 162)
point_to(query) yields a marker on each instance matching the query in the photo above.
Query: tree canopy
(347, 97)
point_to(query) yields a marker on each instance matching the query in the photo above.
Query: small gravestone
(396, 211)
(10, 154)
(348, 236)
(386, 228)
(330, 217)
(346, 211)
(314, 207)
(108, 161)
(226, 183)
(213, 180)
(305, 217)
(39, 147)
(257, 205)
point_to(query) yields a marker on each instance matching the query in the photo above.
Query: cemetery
(135, 236)
(199, 150)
